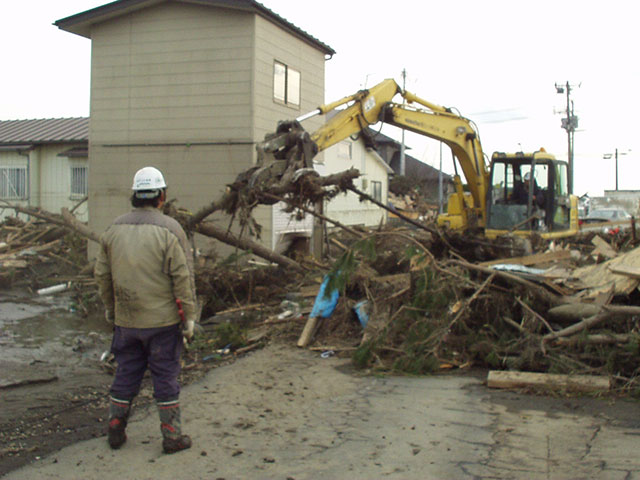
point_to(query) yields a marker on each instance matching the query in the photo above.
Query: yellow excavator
(513, 192)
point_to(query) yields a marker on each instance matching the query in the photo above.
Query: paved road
(283, 413)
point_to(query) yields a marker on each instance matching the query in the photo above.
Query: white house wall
(11, 159)
(347, 208)
(55, 181)
(49, 179)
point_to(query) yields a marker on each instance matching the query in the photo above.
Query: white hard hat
(148, 178)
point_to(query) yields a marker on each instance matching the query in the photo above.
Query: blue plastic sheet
(325, 304)
(361, 312)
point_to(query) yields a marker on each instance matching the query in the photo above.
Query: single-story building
(43, 163)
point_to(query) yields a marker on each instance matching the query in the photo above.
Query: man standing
(144, 271)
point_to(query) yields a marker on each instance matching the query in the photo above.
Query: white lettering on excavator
(369, 103)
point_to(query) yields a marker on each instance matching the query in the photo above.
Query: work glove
(109, 317)
(187, 330)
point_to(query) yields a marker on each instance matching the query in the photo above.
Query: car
(616, 216)
(607, 215)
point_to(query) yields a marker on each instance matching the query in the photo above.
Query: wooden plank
(11, 263)
(576, 383)
(603, 247)
(29, 381)
(627, 270)
(309, 331)
(531, 259)
(310, 290)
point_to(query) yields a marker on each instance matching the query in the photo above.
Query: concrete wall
(629, 200)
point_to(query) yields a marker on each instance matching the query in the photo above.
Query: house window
(286, 84)
(376, 190)
(13, 183)
(79, 183)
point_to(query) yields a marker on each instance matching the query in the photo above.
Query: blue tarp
(325, 304)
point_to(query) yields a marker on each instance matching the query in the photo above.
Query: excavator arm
(291, 148)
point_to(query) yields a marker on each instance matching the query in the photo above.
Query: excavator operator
(521, 191)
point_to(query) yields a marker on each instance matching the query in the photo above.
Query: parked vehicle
(606, 215)
(606, 220)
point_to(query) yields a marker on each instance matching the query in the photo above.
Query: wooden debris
(30, 381)
(603, 247)
(548, 381)
(627, 270)
(536, 259)
(309, 331)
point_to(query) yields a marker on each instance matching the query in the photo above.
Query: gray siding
(188, 89)
(169, 83)
(274, 44)
(172, 73)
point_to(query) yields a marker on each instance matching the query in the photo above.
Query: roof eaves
(80, 24)
(15, 147)
(380, 160)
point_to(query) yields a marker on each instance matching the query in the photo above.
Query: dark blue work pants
(135, 349)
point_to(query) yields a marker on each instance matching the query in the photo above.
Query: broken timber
(576, 383)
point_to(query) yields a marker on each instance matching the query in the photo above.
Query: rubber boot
(118, 415)
(172, 438)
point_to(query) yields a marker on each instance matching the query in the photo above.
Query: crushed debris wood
(435, 300)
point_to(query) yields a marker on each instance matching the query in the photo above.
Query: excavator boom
(291, 148)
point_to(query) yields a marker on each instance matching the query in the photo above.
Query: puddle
(48, 329)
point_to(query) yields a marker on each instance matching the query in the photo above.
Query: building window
(376, 190)
(79, 181)
(286, 84)
(13, 183)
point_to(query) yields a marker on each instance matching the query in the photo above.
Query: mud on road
(282, 412)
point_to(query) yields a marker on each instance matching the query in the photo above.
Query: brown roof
(48, 130)
(81, 23)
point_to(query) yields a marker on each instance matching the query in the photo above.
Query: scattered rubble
(432, 300)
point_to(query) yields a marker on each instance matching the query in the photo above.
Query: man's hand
(109, 317)
(187, 330)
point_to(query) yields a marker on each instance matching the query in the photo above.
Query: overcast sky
(496, 61)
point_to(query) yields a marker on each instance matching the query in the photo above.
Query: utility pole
(404, 85)
(440, 192)
(569, 123)
(607, 156)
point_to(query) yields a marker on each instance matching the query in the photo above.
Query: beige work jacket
(144, 265)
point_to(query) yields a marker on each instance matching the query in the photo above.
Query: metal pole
(616, 169)
(402, 161)
(569, 138)
(440, 200)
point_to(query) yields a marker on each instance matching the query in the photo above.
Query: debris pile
(39, 254)
(408, 299)
(556, 311)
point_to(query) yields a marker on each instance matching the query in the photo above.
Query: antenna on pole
(569, 123)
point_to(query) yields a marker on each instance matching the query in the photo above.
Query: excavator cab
(528, 192)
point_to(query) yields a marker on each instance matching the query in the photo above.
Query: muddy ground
(286, 413)
(53, 385)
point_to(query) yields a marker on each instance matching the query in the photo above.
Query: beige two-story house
(190, 86)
